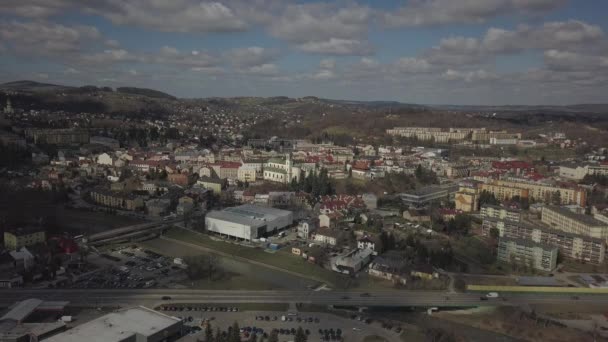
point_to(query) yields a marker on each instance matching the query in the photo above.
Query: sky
(464, 52)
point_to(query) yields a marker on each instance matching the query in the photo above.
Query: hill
(33, 86)
(145, 92)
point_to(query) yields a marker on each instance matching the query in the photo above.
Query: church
(281, 170)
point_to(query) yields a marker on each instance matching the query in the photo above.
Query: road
(152, 297)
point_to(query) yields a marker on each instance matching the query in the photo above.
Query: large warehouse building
(248, 221)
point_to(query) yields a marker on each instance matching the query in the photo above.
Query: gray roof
(119, 326)
(248, 214)
(586, 219)
(528, 243)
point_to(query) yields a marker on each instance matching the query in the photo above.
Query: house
(216, 185)
(417, 215)
(178, 178)
(448, 214)
(105, 159)
(158, 207)
(367, 242)
(326, 236)
(117, 200)
(424, 271)
(307, 227)
(352, 261)
(390, 266)
(185, 205)
(246, 174)
(15, 239)
(330, 220)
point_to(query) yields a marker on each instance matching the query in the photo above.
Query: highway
(152, 297)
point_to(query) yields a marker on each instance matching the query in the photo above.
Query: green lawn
(281, 259)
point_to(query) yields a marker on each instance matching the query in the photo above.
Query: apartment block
(505, 189)
(525, 252)
(498, 212)
(571, 222)
(571, 246)
(22, 237)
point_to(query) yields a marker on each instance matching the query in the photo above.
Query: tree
(208, 333)
(300, 335)
(494, 233)
(274, 336)
(487, 197)
(556, 198)
(235, 333)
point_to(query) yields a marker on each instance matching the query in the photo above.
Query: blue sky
(418, 51)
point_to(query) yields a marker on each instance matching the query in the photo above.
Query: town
(164, 204)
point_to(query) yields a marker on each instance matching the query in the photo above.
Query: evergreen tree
(208, 333)
(300, 335)
(274, 336)
(218, 335)
(235, 334)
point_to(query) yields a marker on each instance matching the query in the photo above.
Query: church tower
(9, 107)
(288, 165)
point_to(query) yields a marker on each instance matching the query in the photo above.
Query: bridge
(130, 232)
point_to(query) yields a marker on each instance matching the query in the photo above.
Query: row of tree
(317, 184)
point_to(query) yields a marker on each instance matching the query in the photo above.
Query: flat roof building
(527, 253)
(248, 221)
(138, 324)
(568, 221)
(428, 194)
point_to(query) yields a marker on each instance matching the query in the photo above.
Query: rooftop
(586, 219)
(119, 326)
(248, 214)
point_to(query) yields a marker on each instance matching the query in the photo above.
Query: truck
(283, 318)
(492, 295)
(66, 319)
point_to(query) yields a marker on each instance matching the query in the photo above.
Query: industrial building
(17, 324)
(136, 324)
(248, 221)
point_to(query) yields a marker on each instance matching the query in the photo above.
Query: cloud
(328, 63)
(268, 69)
(570, 34)
(250, 56)
(324, 75)
(43, 38)
(413, 65)
(337, 46)
(469, 76)
(573, 61)
(444, 12)
(322, 28)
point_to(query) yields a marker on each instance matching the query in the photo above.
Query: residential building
(326, 236)
(390, 266)
(571, 246)
(158, 207)
(370, 200)
(527, 253)
(307, 227)
(502, 213)
(367, 242)
(571, 222)
(246, 174)
(467, 197)
(330, 220)
(578, 171)
(248, 221)
(216, 185)
(15, 239)
(118, 200)
(57, 136)
(352, 261)
(182, 179)
(504, 192)
(226, 169)
(506, 189)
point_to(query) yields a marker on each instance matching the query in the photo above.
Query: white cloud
(267, 69)
(413, 65)
(337, 46)
(443, 12)
(469, 76)
(251, 56)
(46, 38)
(328, 63)
(324, 75)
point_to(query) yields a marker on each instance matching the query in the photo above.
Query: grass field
(281, 259)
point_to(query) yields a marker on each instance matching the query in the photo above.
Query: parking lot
(131, 267)
(319, 326)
